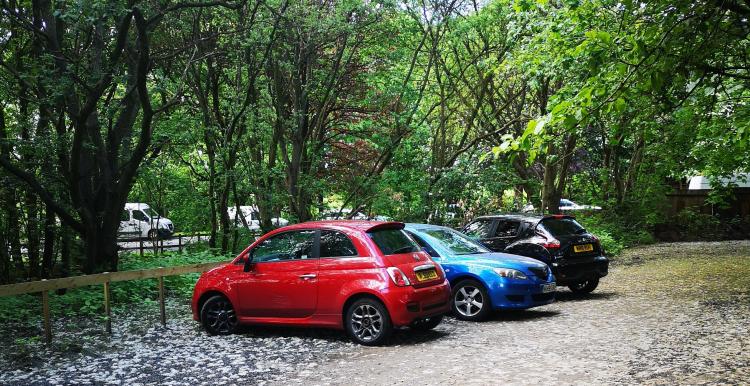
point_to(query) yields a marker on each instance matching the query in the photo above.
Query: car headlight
(510, 273)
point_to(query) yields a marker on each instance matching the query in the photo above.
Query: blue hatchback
(483, 280)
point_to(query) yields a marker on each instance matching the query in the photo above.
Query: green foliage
(614, 232)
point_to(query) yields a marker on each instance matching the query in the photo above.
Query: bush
(689, 225)
(615, 233)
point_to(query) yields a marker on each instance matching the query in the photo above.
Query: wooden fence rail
(44, 286)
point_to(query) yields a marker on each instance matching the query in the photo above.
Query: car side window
(336, 244)
(125, 216)
(295, 245)
(507, 229)
(140, 216)
(424, 245)
(479, 229)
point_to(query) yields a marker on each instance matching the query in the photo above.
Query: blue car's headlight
(510, 273)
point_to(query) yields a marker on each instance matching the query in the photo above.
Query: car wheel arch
(210, 293)
(518, 247)
(477, 280)
(357, 296)
(458, 279)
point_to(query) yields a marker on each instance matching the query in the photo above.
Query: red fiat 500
(365, 277)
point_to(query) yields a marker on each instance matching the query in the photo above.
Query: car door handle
(308, 276)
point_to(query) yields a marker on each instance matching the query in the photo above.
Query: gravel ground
(667, 314)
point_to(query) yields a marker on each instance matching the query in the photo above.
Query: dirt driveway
(666, 314)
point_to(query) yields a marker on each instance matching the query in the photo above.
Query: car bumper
(407, 304)
(519, 294)
(573, 272)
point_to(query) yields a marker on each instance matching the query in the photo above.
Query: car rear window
(393, 241)
(561, 227)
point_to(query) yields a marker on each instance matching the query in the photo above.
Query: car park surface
(651, 323)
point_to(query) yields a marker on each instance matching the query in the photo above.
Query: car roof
(136, 205)
(522, 217)
(357, 225)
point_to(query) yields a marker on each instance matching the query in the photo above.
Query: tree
(91, 83)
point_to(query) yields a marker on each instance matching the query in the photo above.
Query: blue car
(483, 280)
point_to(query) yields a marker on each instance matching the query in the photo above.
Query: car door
(283, 277)
(141, 223)
(127, 225)
(504, 233)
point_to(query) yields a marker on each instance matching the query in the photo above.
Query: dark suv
(575, 255)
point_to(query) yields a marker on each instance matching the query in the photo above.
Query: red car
(365, 277)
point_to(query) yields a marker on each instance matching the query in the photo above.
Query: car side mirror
(248, 263)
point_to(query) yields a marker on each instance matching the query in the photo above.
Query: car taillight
(551, 244)
(398, 277)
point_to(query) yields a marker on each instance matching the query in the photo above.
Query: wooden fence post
(179, 243)
(45, 314)
(162, 308)
(107, 309)
(141, 248)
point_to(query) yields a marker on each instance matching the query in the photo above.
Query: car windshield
(150, 212)
(561, 227)
(393, 241)
(455, 242)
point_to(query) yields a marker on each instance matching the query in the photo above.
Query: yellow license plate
(583, 248)
(428, 274)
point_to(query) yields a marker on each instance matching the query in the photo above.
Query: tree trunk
(4, 257)
(65, 246)
(101, 251)
(48, 255)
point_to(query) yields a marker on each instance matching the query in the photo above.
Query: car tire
(426, 324)
(368, 323)
(153, 234)
(470, 301)
(584, 287)
(218, 316)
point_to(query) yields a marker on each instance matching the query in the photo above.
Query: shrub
(614, 232)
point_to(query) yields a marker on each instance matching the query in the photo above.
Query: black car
(575, 255)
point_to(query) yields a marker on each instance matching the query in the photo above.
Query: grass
(701, 271)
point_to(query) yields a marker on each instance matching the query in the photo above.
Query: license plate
(551, 287)
(427, 274)
(583, 248)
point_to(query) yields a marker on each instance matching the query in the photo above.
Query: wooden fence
(44, 286)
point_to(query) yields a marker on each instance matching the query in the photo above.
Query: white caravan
(138, 220)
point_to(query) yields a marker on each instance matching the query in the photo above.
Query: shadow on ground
(521, 315)
(262, 331)
(566, 296)
(403, 336)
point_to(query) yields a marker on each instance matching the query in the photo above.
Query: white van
(252, 217)
(140, 221)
